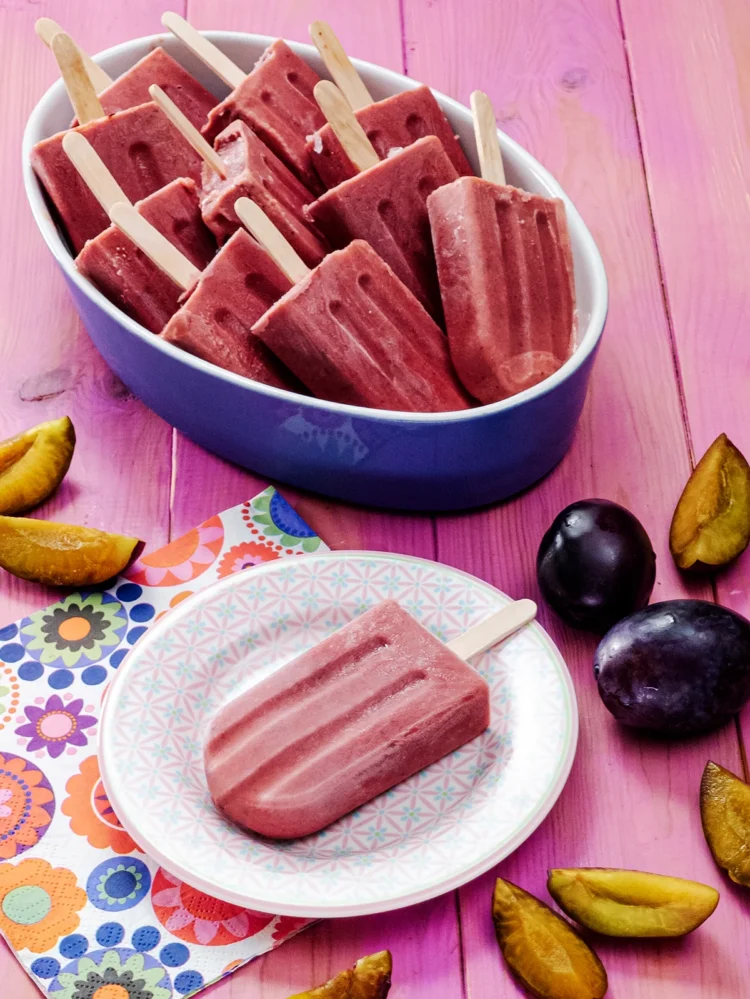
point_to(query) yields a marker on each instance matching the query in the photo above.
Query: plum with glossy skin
(595, 564)
(676, 668)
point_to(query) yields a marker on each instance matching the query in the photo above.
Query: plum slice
(711, 525)
(33, 464)
(542, 950)
(631, 903)
(370, 978)
(725, 814)
(62, 554)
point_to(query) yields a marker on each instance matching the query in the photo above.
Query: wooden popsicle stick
(158, 249)
(348, 130)
(338, 65)
(485, 132)
(46, 29)
(269, 237)
(93, 170)
(494, 629)
(206, 51)
(77, 82)
(188, 130)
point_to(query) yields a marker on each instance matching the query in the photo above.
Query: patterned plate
(437, 830)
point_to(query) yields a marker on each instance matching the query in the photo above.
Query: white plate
(435, 831)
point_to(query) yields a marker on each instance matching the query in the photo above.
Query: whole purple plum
(677, 667)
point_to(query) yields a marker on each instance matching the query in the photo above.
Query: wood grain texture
(691, 83)
(557, 74)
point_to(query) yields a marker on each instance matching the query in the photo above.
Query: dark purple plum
(595, 564)
(677, 667)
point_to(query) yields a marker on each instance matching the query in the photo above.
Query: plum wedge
(33, 464)
(725, 813)
(370, 978)
(62, 554)
(631, 903)
(542, 950)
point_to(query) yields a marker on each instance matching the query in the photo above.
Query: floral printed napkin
(87, 913)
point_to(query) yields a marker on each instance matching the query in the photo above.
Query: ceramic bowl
(415, 461)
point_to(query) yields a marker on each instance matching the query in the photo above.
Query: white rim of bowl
(47, 227)
(481, 866)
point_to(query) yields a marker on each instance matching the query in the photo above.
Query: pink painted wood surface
(556, 70)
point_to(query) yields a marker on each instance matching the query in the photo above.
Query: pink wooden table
(641, 110)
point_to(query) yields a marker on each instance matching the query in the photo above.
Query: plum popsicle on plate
(393, 123)
(140, 146)
(241, 165)
(375, 702)
(506, 274)
(352, 332)
(111, 261)
(385, 204)
(275, 99)
(127, 91)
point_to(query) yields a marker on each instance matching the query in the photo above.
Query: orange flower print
(91, 814)
(244, 555)
(183, 559)
(39, 904)
(27, 805)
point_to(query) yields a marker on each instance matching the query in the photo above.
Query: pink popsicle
(386, 206)
(253, 171)
(127, 276)
(393, 123)
(353, 333)
(140, 146)
(506, 279)
(276, 101)
(372, 704)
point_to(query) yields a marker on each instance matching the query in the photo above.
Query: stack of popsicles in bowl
(307, 237)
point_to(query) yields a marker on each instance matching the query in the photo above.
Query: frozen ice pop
(241, 165)
(393, 123)
(275, 99)
(130, 89)
(375, 702)
(353, 333)
(128, 277)
(506, 275)
(221, 303)
(386, 203)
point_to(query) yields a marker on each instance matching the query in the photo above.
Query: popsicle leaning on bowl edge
(352, 332)
(127, 91)
(393, 123)
(220, 303)
(375, 702)
(241, 165)
(112, 262)
(275, 99)
(140, 146)
(386, 203)
(506, 274)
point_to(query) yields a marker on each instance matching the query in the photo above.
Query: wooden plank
(695, 131)
(424, 941)
(49, 367)
(557, 74)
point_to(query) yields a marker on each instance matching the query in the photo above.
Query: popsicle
(127, 277)
(275, 99)
(375, 702)
(506, 275)
(352, 332)
(127, 91)
(220, 303)
(393, 123)
(241, 165)
(386, 203)
(139, 145)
